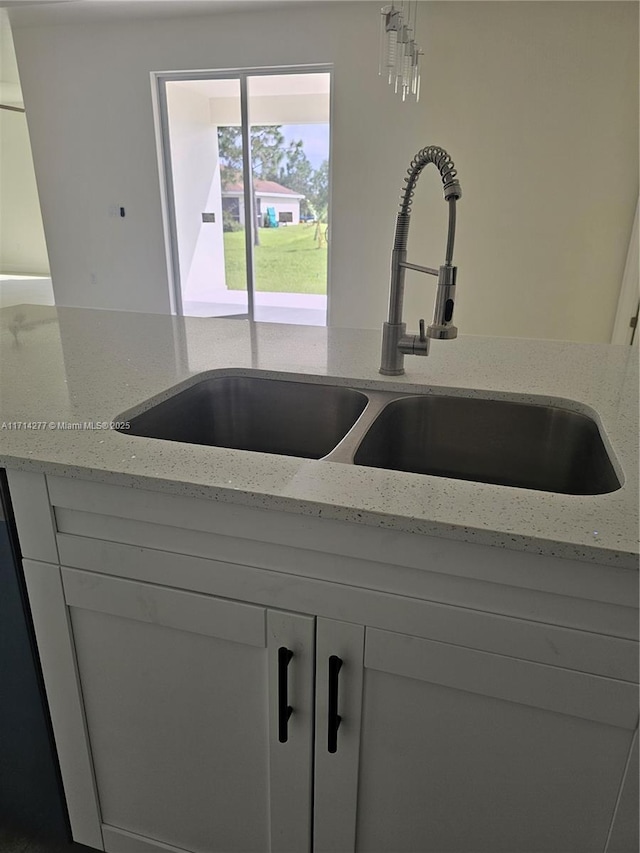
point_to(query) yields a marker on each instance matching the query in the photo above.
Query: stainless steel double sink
(504, 442)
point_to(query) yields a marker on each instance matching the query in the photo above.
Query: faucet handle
(423, 336)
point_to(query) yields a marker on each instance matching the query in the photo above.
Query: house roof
(262, 188)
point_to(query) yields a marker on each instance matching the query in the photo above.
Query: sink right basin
(491, 441)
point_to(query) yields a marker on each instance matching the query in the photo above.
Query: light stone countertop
(74, 365)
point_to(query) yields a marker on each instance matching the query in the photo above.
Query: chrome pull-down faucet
(395, 342)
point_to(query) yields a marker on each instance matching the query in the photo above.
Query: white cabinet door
(457, 751)
(339, 658)
(186, 699)
(625, 835)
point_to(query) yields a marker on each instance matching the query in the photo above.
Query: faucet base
(392, 361)
(396, 344)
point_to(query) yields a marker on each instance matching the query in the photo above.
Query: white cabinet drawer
(549, 644)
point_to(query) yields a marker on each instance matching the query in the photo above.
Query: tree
(319, 190)
(297, 174)
(266, 155)
(267, 152)
(230, 154)
(319, 197)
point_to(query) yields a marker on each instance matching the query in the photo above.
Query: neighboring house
(285, 202)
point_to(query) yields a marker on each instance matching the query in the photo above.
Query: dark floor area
(17, 841)
(32, 810)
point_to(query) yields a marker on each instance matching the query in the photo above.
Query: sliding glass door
(246, 159)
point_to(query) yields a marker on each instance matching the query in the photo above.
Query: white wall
(539, 107)
(537, 103)
(281, 205)
(22, 245)
(196, 186)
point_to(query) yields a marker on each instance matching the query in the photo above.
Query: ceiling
(27, 12)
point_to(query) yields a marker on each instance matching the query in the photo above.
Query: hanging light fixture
(399, 52)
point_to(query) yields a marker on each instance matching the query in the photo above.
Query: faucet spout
(395, 342)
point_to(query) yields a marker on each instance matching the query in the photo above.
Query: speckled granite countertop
(71, 365)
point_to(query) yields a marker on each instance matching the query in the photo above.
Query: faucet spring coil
(440, 158)
(402, 231)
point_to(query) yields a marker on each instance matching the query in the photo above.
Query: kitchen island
(468, 649)
(76, 366)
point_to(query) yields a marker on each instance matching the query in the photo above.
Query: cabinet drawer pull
(334, 717)
(284, 709)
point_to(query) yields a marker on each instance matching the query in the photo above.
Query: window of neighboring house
(231, 207)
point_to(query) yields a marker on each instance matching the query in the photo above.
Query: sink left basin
(251, 413)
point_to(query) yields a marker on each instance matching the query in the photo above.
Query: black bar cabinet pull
(284, 709)
(333, 716)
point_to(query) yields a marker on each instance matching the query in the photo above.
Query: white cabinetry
(455, 750)
(180, 698)
(176, 690)
(442, 705)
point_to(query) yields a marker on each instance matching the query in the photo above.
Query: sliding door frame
(159, 79)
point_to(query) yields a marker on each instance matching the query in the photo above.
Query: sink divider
(347, 448)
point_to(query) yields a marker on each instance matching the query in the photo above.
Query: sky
(315, 138)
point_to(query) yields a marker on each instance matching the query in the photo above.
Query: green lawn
(287, 260)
